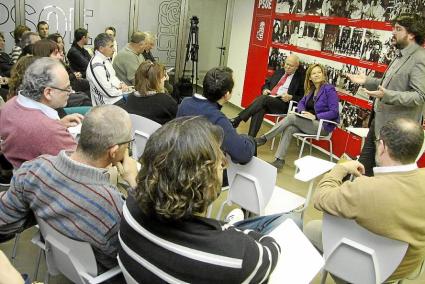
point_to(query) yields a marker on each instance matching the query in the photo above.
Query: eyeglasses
(68, 90)
(125, 142)
(380, 139)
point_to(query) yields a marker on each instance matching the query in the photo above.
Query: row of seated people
(78, 58)
(150, 100)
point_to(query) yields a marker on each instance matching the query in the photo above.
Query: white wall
(239, 43)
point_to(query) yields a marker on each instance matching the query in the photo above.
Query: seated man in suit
(218, 85)
(389, 204)
(284, 85)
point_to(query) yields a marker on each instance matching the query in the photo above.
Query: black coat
(296, 88)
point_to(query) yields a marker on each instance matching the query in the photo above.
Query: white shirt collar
(199, 96)
(29, 103)
(100, 54)
(394, 169)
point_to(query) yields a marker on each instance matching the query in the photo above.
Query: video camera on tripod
(184, 88)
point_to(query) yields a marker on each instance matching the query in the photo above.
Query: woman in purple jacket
(320, 102)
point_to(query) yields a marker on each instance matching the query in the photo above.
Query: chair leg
(331, 150)
(15, 248)
(46, 278)
(220, 211)
(209, 211)
(275, 122)
(37, 265)
(302, 148)
(311, 146)
(324, 275)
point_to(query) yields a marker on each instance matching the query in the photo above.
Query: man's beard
(400, 44)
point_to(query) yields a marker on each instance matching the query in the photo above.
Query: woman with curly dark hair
(164, 236)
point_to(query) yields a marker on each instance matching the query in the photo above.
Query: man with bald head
(71, 191)
(284, 85)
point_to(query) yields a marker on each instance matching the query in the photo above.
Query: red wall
(261, 44)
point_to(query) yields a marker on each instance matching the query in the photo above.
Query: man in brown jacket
(389, 204)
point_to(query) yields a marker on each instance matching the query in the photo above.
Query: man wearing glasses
(391, 202)
(71, 191)
(29, 124)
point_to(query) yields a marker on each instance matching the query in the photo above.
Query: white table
(307, 169)
(299, 261)
(359, 131)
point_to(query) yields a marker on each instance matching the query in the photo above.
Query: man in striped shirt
(164, 235)
(72, 191)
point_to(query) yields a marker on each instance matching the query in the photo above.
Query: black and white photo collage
(376, 10)
(361, 43)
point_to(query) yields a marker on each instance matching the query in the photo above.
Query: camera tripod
(192, 48)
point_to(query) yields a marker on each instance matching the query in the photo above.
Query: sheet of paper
(301, 115)
(299, 261)
(75, 130)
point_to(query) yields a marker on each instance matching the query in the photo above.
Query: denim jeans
(266, 224)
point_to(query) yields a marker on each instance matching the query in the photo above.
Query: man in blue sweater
(218, 84)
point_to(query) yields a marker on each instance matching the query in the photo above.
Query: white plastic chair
(421, 151)
(310, 137)
(142, 129)
(278, 116)
(74, 259)
(128, 278)
(357, 255)
(252, 186)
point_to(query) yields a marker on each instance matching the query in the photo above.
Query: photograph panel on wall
(354, 116)
(375, 10)
(365, 44)
(298, 33)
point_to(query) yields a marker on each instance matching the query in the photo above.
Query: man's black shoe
(260, 140)
(278, 163)
(235, 121)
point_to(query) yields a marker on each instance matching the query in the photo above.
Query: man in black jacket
(78, 56)
(284, 85)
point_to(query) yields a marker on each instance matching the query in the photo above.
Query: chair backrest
(357, 255)
(142, 129)
(251, 185)
(67, 256)
(128, 278)
(421, 151)
(79, 109)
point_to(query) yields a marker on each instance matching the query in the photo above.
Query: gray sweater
(75, 199)
(126, 63)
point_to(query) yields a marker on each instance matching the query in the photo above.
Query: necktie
(279, 84)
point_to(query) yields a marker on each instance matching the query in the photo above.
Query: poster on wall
(353, 36)
(374, 10)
